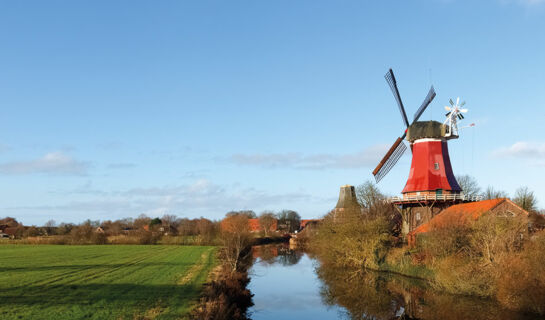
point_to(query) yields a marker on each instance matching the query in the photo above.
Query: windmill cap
(426, 129)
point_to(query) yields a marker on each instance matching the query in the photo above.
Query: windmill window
(418, 216)
(436, 166)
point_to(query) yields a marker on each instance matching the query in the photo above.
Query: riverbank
(225, 295)
(289, 283)
(491, 258)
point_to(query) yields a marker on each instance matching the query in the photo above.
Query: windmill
(398, 148)
(431, 185)
(454, 114)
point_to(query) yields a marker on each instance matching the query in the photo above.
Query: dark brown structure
(348, 202)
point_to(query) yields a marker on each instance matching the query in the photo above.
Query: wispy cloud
(50, 163)
(523, 149)
(202, 197)
(365, 158)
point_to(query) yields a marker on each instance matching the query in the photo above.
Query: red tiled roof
(461, 214)
(253, 224)
(305, 221)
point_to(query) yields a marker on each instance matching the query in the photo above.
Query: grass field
(101, 282)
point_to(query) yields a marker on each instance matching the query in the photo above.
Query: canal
(292, 284)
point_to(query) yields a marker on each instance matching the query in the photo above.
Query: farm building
(308, 222)
(7, 231)
(465, 213)
(255, 226)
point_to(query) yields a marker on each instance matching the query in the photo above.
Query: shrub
(461, 275)
(521, 278)
(353, 239)
(226, 298)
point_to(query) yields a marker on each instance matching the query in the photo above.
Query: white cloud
(50, 163)
(200, 198)
(523, 149)
(365, 158)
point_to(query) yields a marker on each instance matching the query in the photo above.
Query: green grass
(101, 282)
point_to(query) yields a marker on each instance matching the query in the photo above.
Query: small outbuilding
(464, 213)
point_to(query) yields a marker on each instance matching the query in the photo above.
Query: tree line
(168, 229)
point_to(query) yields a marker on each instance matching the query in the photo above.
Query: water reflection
(291, 284)
(372, 295)
(281, 254)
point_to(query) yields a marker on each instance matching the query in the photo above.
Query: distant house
(7, 232)
(465, 213)
(309, 222)
(255, 226)
(99, 230)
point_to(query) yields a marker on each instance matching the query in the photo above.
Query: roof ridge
(501, 200)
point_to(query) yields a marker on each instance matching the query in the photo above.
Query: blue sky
(109, 109)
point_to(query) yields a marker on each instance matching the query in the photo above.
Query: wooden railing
(438, 197)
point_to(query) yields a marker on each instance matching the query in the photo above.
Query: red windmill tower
(431, 185)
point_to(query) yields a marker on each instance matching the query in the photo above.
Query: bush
(148, 237)
(521, 279)
(461, 275)
(226, 298)
(352, 239)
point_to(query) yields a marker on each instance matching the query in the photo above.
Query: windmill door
(439, 193)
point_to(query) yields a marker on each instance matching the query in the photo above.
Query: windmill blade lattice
(390, 78)
(425, 104)
(390, 159)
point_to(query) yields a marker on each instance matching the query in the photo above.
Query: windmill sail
(390, 78)
(390, 159)
(425, 104)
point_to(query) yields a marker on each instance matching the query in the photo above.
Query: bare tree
(525, 199)
(206, 229)
(248, 213)
(169, 223)
(491, 193)
(492, 238)
(469, 185)
(50, 227)
(289, 220)
(266, 221)
(369, 195)
(141, 221)
(236, 237)
(373, 201)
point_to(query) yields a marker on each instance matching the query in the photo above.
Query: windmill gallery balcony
(434, 197)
